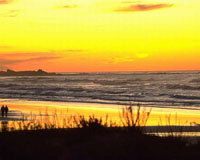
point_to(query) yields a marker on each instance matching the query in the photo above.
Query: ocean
(160, 89)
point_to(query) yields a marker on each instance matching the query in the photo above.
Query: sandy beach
(158, 116)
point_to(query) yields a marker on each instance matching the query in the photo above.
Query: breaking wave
(150, 88)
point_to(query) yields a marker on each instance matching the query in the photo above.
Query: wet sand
(158, 116)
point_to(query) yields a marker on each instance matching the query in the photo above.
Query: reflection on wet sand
(13, 115)
(61, 113)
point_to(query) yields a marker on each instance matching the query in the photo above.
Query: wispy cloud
(5, 1)
(120, 59)
(10, 13)
(9, 55)
(67, 6)
(41, 59)
(14, 61)
(8, 59)
(143, 7)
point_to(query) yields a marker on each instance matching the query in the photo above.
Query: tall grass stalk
(56, 120)
(135, 117)
(173, 127)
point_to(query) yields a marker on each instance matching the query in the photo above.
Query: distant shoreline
(39, 72)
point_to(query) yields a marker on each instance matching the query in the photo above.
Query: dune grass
(63, 136)
(130, 117)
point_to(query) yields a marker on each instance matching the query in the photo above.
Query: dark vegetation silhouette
(91, 138)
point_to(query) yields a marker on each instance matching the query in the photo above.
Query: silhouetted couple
(4, 110)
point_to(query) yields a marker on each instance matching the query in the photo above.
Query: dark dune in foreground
(93, 144)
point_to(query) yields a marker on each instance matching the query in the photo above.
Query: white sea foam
(149, 88)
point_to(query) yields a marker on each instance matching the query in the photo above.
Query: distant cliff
(27, 73)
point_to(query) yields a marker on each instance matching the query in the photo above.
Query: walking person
(6, 110)
(2, 110)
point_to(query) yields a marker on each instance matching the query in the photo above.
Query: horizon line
(105, 71)
(129, 71)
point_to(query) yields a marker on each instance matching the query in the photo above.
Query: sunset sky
(100, 35)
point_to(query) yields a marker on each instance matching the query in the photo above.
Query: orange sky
(100, 35)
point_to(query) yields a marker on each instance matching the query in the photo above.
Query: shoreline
(158, 114)
(48, 102)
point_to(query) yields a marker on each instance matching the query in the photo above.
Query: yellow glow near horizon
(100, 35)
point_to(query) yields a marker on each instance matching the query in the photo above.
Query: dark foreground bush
(91, 138)
(79, 143)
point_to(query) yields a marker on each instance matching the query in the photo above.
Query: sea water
(180, 89)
